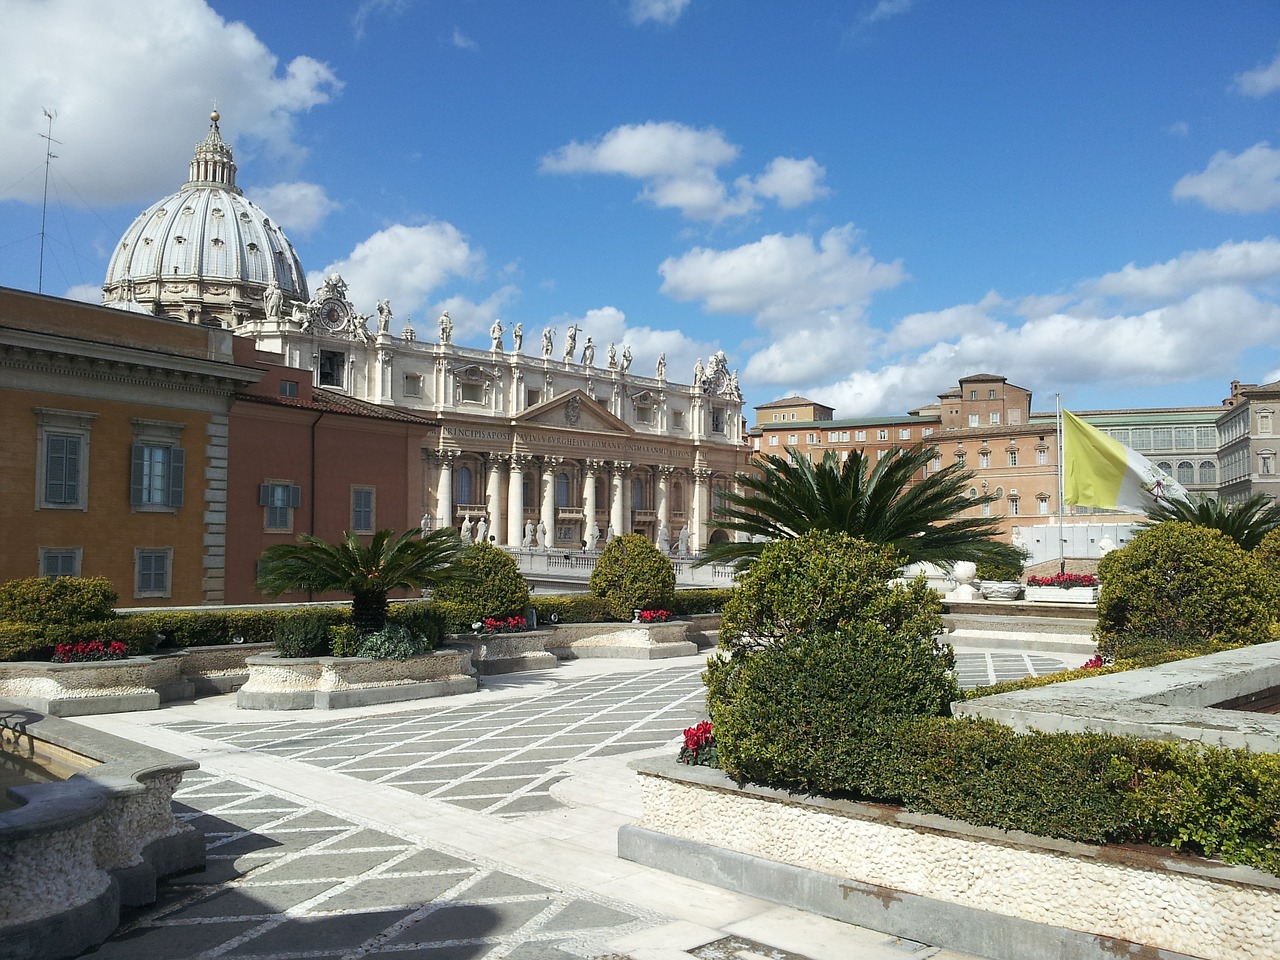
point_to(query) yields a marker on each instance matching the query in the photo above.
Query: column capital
(443, 457)
(517, 461)
(701, 474)
(593, 466)
(550, 463)
(621, 466)
(664, 470)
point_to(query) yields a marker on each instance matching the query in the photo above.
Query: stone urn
(1001, 590)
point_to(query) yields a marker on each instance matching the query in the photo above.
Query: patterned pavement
(293, 873)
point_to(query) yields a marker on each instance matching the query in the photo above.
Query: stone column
(515, 498)
(616, 499)
(664, 505)
(701, 510)
(444, 489)
(589, 468)
(549, 465)
(493, 496)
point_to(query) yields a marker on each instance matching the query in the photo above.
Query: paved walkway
(479, 826)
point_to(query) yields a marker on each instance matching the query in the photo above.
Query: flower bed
(1064, 588)
(1003, 894)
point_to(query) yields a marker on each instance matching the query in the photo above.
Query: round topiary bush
(1176, 586)
(827, 659)
(632, 574)
(490, 585)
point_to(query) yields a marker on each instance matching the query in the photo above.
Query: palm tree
(1244, 521)
(367, 572)
(883, 503)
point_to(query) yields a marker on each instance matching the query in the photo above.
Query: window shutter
(295, 496)
(177, 475)
(264, 494)
(135, 474)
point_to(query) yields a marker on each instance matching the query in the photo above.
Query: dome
(206, 253)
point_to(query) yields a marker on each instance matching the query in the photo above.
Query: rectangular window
(926, 431)
(936, 464)
(1043, 507)
(973, 394)
(157, 469)
(984, 460)
(152, 571)
(755, 444)
(362, 509)
(904, 433)
(833, 436)
(995, 417)
(288, 388)
(1042, 457)
(960, 460)
(793, 416)
(810, 438)
(991, 394)
(882, 434)
(1013, 458)
(973, 419)
(62, 458)
(773, 439)
(412, 385)
(677, 419)
(1184, 438)
(332, 368)
(279, 499)
(717, 420)
(644, 413)
(1162, 438)
(844, 436)
(1013, 506)
(60, 561)
(1141, 438)
(792, 439)
(532, 397)
(1206, 437)
(472, 393)
(881, 454)
(860, 436)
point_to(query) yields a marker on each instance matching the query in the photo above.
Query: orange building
(113, 448)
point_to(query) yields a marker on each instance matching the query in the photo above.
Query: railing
(569, 569)
(470, 510)
(569, 513)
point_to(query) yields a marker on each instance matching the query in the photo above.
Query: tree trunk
(369, 611)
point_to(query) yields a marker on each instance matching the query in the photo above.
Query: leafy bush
(632, 574)
(1178, 585)
(576, 608)
(689, 602)
(206, 628)
(999, 572)
(422, 618)
(393, 642)
(69, 600)
(23, 641)
(305, 633)
(1267, 552)
(344, 640)
(491, 585)
(817, 583)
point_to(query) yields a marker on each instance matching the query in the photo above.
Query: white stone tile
(675, 937)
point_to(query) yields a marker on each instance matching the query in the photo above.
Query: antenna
(44, 206)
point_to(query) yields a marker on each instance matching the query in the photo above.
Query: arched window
(1208, 471)
(1186, 471)
(637, 494)
(462, 485)
(677, 497)
(562, 489)
(1166, 467)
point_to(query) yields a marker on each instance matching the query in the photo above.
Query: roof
(326, 401)
(792, 402)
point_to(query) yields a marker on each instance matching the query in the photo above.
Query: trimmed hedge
(571, 608)
(632, 574)
(61, 600)
(686, 603)
(491, 586)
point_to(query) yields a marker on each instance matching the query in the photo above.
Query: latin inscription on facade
(580, 442)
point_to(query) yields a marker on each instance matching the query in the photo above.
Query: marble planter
(1001, 590)
(1000, 894)
(628, 641)
(498, 653)
(1063, 594)
(326, 683)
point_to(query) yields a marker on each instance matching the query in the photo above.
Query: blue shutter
(264, 494)
(137, 470)
(177, 475)
(295, 496)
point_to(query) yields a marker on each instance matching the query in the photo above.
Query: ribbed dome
(207, 252)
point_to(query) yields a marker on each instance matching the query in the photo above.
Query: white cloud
(90, 60)
(1243, 183)
(678, 165)
(404, 264)
(471, 319)
(659, 11)
(369, 8)
(607, 325)
(1249, 262)
(298, 207)
(887, 10)
(462, 41)
(1260, 81)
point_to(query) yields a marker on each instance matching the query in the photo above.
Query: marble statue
(466, 529)
(662, 366)
(588, 353)
(664, 539)
(697, 373)
(273, 300)
(626, 359)
(613, 356)
(570, 342)
(301, 316)
(527, 542)
(384, 316)
(593, 535)
(684, 540)
(482, 530)
(609, 534)
(446, 327)
(495, 334)
(546, 343)
(517, 338)
(542, 535)
(425, 523)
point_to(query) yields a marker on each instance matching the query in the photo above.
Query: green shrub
(999, 572)
(491, 586)
(689, 602)
(573, 608)
(23, 641)
(1178, 585)
(1267, 552)
(816, 583)
(393, 642)
(632, 574)
(344, 640)
(422, 618)
(210, 628)
(47, 600)
(304, 633)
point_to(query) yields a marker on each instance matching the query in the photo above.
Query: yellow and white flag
(1099, 471)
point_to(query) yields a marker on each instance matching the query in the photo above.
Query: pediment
(574, 410)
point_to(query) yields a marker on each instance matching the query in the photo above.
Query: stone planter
(629, 641)
(1063, 594)
(327, 683)
(79, 849)
(1001, 590)
(83, 689)
(220, 669)
(1000, 894)
(498, 653)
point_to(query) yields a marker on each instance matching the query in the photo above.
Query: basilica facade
(543, 445)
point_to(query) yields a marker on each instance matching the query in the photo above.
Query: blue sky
(857, 201)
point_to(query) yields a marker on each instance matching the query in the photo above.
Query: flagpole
(1062, 485)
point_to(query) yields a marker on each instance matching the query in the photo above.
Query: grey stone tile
(541, 950)
(250, 900)
(460, 951)
(468, 921)
(368, 838)
(297, 935)
(381, 893)
(585, 915)
(431, 860)
(325, 866)
(498, 884)
(529, 803)
(170, 943)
